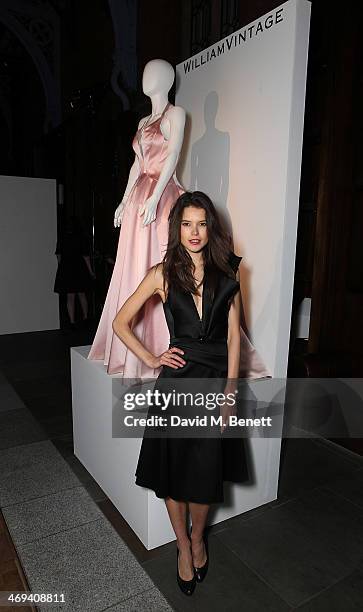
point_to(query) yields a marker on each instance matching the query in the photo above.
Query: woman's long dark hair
(178, 267)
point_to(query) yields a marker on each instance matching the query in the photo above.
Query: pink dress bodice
(151, 148)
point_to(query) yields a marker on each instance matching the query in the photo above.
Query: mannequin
(158, 77)
(142, 215)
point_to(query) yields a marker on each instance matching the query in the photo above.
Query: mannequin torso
(158, 78)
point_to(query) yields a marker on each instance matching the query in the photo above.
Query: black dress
(72, 274)
(193, 469)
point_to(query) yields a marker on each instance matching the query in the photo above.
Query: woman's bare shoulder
(158, 270)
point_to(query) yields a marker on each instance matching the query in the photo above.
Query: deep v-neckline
(145, 125)
(140, 132)
(195, 305)
(204, 308)
(203, 304)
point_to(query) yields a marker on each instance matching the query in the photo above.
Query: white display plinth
(112, 461)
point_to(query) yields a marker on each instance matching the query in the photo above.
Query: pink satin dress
(139, 248)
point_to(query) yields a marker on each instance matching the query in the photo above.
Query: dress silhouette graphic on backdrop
(139, 248)
(194, 469)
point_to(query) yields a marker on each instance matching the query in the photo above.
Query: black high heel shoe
(186, 586)
(201, 572)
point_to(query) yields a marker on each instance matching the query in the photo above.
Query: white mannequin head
(158, 77)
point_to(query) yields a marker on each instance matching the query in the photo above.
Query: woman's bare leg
(199, 514)
(84, 304)
(178, 515)
(70, 306)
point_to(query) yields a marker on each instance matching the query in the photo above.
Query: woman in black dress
(200, 292)
(74, 274)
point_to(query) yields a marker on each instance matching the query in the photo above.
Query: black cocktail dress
(194, 469)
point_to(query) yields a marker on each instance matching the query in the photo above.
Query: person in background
(75, 275)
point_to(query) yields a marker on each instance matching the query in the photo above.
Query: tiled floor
(303, 551)
(12, 578)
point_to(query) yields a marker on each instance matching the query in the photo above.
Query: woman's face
(193, 230)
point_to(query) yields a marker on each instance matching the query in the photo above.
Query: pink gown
(139, 248)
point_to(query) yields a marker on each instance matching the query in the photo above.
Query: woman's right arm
(152, 282)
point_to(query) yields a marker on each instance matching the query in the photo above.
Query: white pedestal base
(112, 461)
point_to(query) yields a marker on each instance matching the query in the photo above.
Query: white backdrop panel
(244, 98)
(28, 235)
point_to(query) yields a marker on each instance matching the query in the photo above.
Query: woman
(197, 284)
(75, 276)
